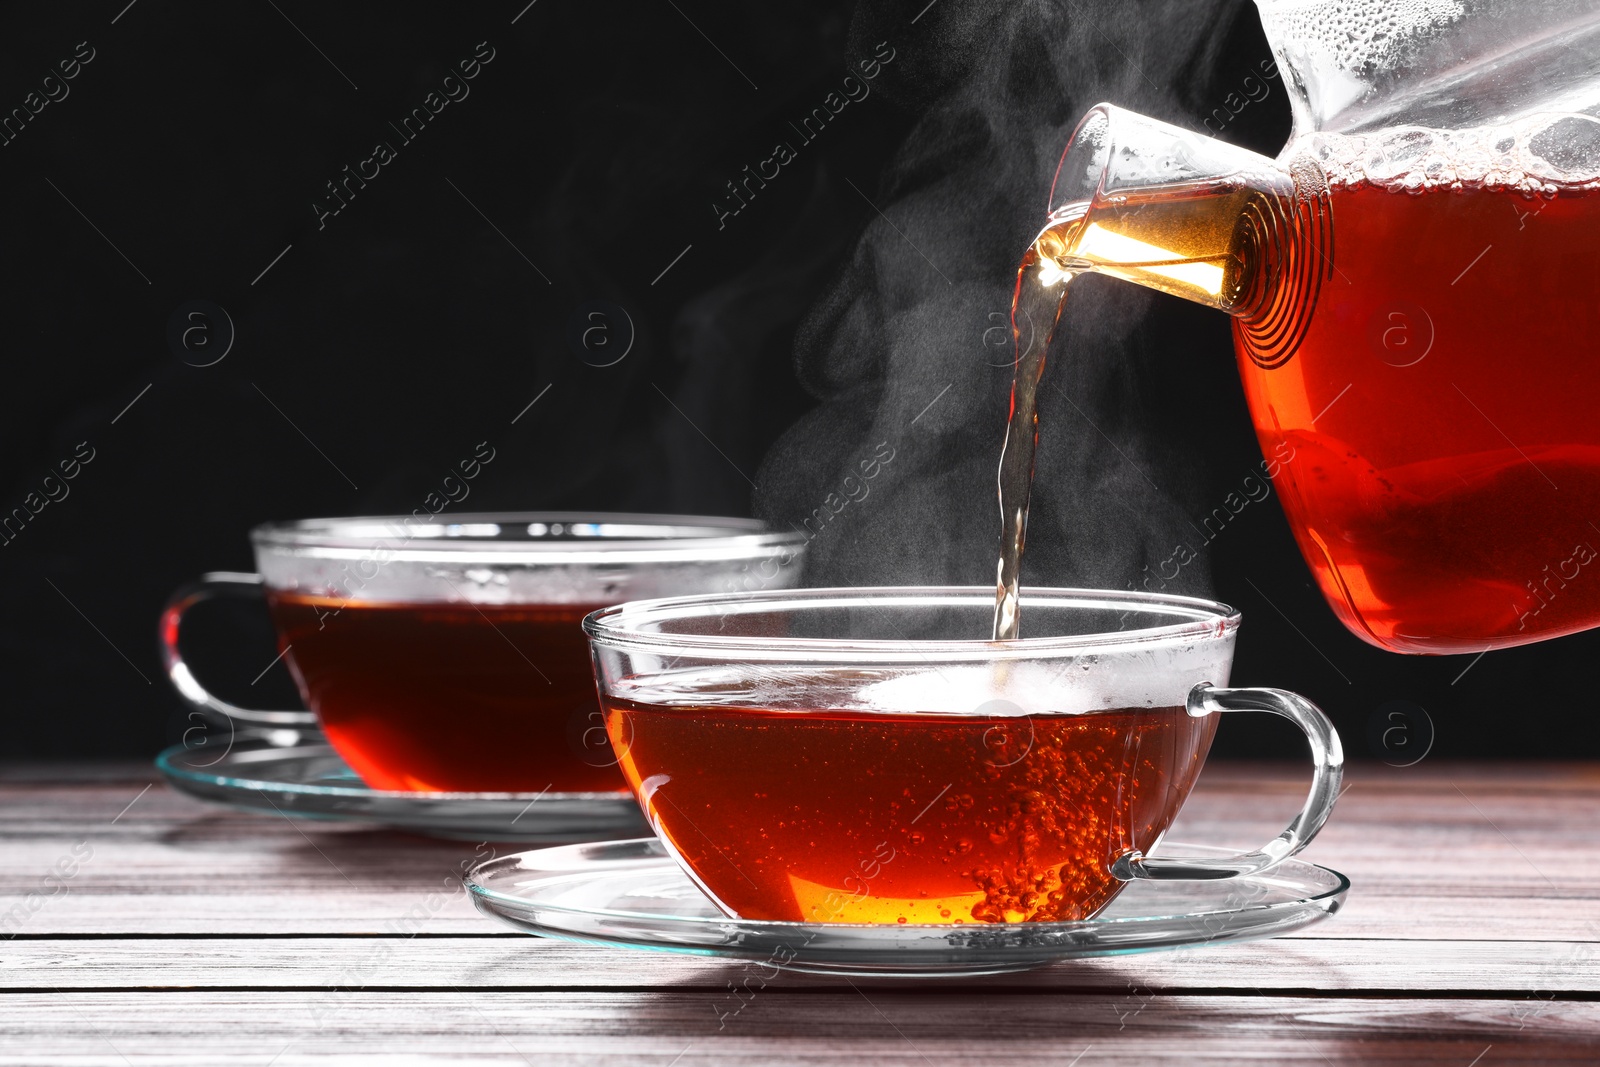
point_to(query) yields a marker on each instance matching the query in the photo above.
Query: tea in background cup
(449, 656)
(858, 755)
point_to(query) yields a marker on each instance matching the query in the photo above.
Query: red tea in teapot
(1416, 319)
(1442, 413)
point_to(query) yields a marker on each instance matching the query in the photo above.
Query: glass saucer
(631, 894)
(296, 772)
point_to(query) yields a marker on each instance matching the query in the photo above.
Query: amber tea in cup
(450, 696)
(449, 656)
(856, 756)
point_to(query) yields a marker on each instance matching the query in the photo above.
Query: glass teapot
(1415, 292)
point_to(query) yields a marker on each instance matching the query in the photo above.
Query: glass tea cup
(448, 655)
(864, 756)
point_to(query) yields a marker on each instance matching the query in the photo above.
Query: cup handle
(216, 584)
(1327, 759)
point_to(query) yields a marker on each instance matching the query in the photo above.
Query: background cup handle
(217, 584)
(1327, 758)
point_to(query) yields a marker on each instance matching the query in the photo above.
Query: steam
(910, 345)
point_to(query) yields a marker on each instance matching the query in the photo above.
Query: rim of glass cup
(529, 538)
(618, 627)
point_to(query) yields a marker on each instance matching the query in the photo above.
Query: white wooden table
(174, 932)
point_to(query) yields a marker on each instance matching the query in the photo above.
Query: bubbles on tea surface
(1071, 685)
(1570, 145)
(1393, 158)
(1538, 155)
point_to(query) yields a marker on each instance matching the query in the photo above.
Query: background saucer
(296, 772)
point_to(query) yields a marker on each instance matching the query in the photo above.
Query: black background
(426, 315)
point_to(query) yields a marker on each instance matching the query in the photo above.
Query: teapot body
(1415, 288)
(1441, 406)
(1438, 423)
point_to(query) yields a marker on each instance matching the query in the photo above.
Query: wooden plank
(865, 1024)
(1455, 863)
(1513, 968)
(55, 772)
(1508, 857)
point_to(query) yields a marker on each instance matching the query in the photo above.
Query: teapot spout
(1150, 203)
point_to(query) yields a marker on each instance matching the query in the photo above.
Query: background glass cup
(865, 755)
(448, 655)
